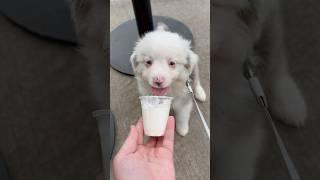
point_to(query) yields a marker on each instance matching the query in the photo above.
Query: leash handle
(205, 125)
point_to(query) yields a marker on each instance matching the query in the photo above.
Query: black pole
(143, 14)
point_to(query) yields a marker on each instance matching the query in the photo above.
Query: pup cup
(155, 114)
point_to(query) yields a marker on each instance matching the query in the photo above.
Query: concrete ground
(192, 153)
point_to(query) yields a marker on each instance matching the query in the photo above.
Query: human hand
(150, 161)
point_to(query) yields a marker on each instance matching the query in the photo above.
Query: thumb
(130, 144)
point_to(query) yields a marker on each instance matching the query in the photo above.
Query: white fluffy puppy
(163, 62)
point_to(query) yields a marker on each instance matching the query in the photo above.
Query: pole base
(124, 37)
(50, 19)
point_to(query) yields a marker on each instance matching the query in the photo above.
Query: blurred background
(47, 130)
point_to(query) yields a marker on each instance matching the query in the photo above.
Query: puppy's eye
(172, 64)
(148, 63)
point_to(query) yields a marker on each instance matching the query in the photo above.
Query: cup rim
(158, 97)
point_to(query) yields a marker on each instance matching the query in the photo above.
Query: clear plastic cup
(155, 114)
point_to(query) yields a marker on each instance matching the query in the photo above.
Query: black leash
(257, 90)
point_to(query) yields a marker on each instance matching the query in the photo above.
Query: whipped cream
(155, 113)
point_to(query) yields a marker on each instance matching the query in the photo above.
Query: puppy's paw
(200, 94)
(287, 103)
(182, 128)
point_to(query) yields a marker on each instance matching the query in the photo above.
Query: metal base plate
(50, 19)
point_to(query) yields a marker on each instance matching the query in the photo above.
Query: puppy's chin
(159, 91)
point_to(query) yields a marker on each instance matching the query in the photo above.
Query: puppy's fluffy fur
(168, 55)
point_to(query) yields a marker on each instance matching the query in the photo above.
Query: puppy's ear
(192, 60)
(134, 62)
(162, 27)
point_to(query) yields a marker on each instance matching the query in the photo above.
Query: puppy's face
(162, 58)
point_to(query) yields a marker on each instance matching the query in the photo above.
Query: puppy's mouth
(159, 91)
